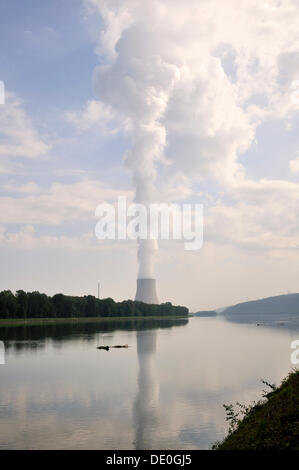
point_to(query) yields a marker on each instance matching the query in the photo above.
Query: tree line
(36, 305)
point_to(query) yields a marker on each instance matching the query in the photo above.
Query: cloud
(27, 188)
(263, 215)
(294, 165)
(193, 82)
(95, 114)
(18, 136)
(168, 75)
(26, 239)
(56, 204)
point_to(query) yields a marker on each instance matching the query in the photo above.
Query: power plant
(146, 291)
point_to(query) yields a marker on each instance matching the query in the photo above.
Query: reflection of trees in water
(147, 398)
(34, 337)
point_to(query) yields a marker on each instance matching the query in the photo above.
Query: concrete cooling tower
(146, 291)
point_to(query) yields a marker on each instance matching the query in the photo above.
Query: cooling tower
(146, 291)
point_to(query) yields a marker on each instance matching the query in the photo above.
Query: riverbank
(69, 320)
(270, 424)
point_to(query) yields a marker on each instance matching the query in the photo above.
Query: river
(165, 391)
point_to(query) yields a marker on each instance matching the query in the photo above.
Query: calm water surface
(57, 391)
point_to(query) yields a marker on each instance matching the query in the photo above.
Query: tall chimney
(146, 291)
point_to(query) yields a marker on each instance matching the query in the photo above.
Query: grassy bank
(271, 424)
(52, 321)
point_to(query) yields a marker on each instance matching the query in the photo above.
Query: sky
(193, 101)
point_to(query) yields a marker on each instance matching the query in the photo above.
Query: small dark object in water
(117, 346)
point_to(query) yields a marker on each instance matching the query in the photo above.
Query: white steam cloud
(138, 85)
(190, 82)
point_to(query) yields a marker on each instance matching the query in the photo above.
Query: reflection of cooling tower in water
(147, 399)
(2, 353)
(146, 291)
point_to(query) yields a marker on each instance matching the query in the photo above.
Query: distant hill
(205, 313)
(221, 309)
(280, 304)
(280, 310)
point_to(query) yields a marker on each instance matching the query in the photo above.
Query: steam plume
(137, 84)
(180, 76)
